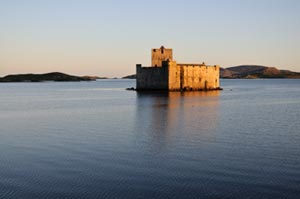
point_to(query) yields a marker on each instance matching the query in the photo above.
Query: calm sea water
(97, 140)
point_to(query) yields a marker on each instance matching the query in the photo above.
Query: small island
(54, 76)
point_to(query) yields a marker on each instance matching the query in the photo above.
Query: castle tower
(160, 55)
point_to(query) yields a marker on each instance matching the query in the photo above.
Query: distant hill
(256, 71)
(55, 76)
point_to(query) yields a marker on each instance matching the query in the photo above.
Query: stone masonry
(167, 74)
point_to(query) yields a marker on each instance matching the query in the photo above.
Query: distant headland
(54, 76)
(256, 72)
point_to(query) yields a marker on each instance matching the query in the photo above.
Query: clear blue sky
(108, 37)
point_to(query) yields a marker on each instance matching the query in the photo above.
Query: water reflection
(162, 116)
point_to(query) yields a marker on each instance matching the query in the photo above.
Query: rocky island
(54, 76)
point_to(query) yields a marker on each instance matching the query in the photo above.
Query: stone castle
(166, 74)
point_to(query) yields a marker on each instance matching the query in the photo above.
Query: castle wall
(160, 55)
(174, 76)
(193, 77)
(151, 78)
(166, 74)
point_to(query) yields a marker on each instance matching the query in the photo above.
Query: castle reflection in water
(162, 115)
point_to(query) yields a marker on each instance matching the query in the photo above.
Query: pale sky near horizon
(108, 37)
